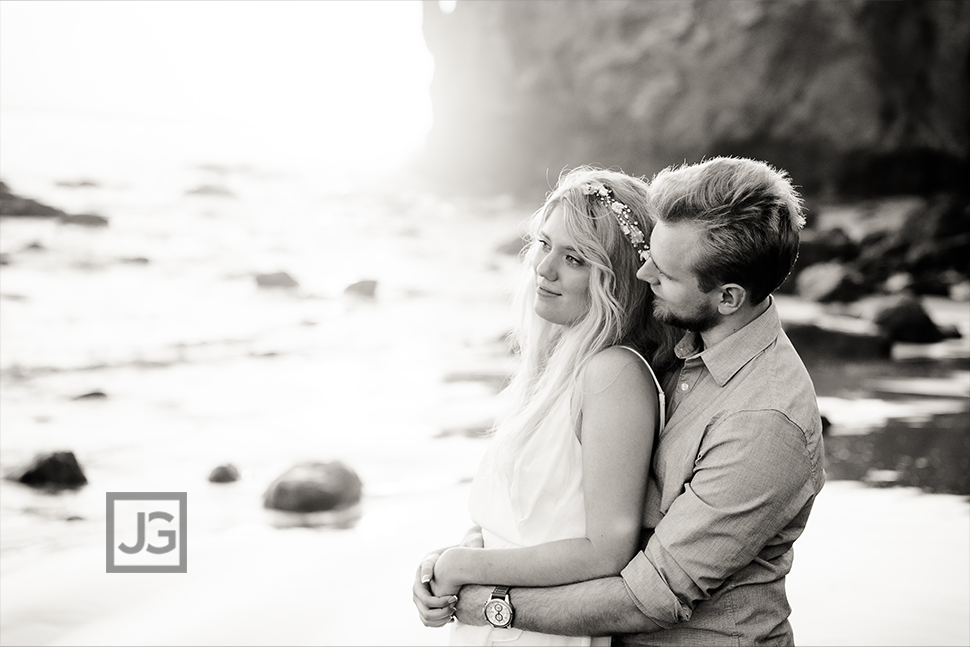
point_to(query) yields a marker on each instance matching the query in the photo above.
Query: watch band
(500, 592)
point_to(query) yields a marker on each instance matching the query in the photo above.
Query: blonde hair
(553, 356)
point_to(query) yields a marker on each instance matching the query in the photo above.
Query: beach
(197, 365)
(856, 580)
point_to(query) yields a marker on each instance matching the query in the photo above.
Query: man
(737, 468)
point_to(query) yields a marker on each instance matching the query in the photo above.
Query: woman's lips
(546, 292)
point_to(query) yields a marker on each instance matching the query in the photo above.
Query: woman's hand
(434, 610)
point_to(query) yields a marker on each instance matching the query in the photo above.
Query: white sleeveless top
(542, 502)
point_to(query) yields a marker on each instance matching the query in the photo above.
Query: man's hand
(435, 611)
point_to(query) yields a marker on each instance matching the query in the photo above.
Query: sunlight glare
(346, 80)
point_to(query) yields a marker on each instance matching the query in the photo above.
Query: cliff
(855, 99)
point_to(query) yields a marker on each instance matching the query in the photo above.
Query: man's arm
(594, 608)
(752, 477)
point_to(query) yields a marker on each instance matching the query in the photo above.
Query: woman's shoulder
(609, 364)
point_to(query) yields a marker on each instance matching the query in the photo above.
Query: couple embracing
(661, 447)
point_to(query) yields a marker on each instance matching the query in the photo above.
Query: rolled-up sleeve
(752, 476)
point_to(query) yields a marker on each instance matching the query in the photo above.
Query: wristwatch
(498, 609)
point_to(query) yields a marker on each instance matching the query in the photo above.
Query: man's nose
(648, 271)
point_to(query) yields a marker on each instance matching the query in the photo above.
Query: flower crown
(624, 215)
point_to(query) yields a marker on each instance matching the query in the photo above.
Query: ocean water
(161, 312)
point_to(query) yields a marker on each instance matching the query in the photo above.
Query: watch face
(499, 613)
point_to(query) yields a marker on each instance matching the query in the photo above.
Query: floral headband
(624, 215)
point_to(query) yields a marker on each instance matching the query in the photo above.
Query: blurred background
(240, 236)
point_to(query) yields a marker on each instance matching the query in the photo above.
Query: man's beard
(700, 321)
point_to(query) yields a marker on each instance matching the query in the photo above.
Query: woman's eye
(544, 245)
(572, 260)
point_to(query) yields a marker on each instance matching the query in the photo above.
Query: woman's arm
(619, 420)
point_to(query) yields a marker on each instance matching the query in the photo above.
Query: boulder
(276, 280)
(51, 471)
(14, 205)
(960, 291)
(226, 473)
(91, 395)
(820, 246)
(827, 282)
(314, 487)
(366, 288)
(815, 341)
(84, 219)
(901, 316)
(211, 190)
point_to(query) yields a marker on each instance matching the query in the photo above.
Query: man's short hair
(750, 216)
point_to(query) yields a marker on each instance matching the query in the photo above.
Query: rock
(14, 205)
(92, 395)
(820, 246)
(899, 282)
(365, 288)
(960, 291)
(52, 471)
(226, 473)
(85, 219)
(314, 487)
(276, 280)
(901, 316)
(815, 341)
(826, 282)
(938, 244)
(850, 97)
(926, 239)
(882, 478)
(211, 190)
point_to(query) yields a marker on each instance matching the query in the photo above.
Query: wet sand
(874, 567)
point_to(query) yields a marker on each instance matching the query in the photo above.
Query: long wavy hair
(553, 356)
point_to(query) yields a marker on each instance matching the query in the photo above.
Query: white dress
(542, 502)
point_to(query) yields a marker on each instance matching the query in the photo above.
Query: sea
(149, 349)
(385, 355)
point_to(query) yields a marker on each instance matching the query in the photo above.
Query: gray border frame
(181, 497)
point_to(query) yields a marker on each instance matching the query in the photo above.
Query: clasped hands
(437, 582)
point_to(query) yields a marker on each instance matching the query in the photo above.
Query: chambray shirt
(735, 473)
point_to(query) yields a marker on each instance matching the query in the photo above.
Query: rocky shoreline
(858, 291)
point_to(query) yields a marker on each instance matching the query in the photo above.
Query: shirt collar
(726, 358)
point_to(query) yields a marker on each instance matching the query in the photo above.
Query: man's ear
(732, 298)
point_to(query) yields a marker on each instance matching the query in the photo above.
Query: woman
(559, 494)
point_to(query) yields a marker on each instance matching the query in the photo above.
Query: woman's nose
(546, 268)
